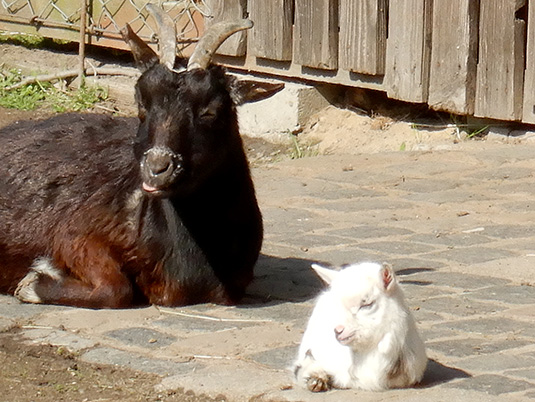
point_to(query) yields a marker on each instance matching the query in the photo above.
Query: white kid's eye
(367, 305)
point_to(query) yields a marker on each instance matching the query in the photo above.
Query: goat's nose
(338, 329)
(160, 161)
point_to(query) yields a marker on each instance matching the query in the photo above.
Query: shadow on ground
(283, 280)
(436, 373)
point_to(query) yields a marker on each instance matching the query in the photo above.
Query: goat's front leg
(311, 375)
(92, 279)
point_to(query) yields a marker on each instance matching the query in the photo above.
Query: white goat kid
(361, 333)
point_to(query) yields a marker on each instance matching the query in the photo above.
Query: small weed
(81, 99)
(31, 96)
(25, 98)
(477, 132)
(299, 151)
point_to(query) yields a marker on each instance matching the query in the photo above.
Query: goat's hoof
(319, 383)
(25, 290)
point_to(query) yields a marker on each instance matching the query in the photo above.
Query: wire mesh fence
(61, 18)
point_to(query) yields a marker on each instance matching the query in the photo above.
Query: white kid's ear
(326, 275)
(388, 277)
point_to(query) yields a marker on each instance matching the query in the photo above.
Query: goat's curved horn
(212, 38)
(167, 35)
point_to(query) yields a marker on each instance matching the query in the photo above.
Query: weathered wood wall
(470, 57)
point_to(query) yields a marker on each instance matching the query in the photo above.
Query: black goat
(93, 216)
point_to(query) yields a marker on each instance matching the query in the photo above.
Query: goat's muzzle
(160, 167)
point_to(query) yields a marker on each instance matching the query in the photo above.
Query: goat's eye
(366, 305)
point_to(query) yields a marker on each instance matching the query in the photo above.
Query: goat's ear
(327, 275)
(245, 91)
(388, 278)
(144, 56)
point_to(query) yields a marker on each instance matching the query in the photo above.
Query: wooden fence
(469, 57)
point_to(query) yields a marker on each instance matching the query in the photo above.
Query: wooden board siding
(316, 33)
(452, 76)
(408, 50)
(501, 60)
(226, 10)
(363, 36)
(271, 37)
(529, 77)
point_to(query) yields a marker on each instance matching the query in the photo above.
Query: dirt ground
(52, 374)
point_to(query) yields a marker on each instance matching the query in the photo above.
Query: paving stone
(459, 306)
(509, 231)
(426, 186)
(365, 204)
(526, 205)
(504, 174)
(423, 315)
(492, 384)
(491, 326)
(144, 337)
(368, 232)
(459, 197)
(451, 240)
(397, 247)
(348, 255)
(458, 280)
(280, 358)
(294, 222)
(507, 294)
(285, 312)
(311, 240)
(188, 325)
(437, 373)
(71, 341)
(12, 308)
(237, 380)
(409, 266)
(472, 255)
(528, 374)
(474, 346)
(345, 193)
(139, 363)
(6, 324)
(284, 279)
(435, 333)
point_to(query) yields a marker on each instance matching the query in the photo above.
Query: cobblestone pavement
(456, 225)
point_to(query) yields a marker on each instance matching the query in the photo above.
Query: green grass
(31, 41)
(299, 150)
(32, 96)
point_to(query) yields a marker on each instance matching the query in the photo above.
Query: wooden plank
(226, 10)
(408, 50)
(452, 76)
(316, 33)
(528, 115)
(501, 60)
(271, 37)
(363, 36)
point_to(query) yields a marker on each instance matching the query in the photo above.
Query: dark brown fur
(71, 195)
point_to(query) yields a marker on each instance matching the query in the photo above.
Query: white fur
(25, 290)
(379, 346)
